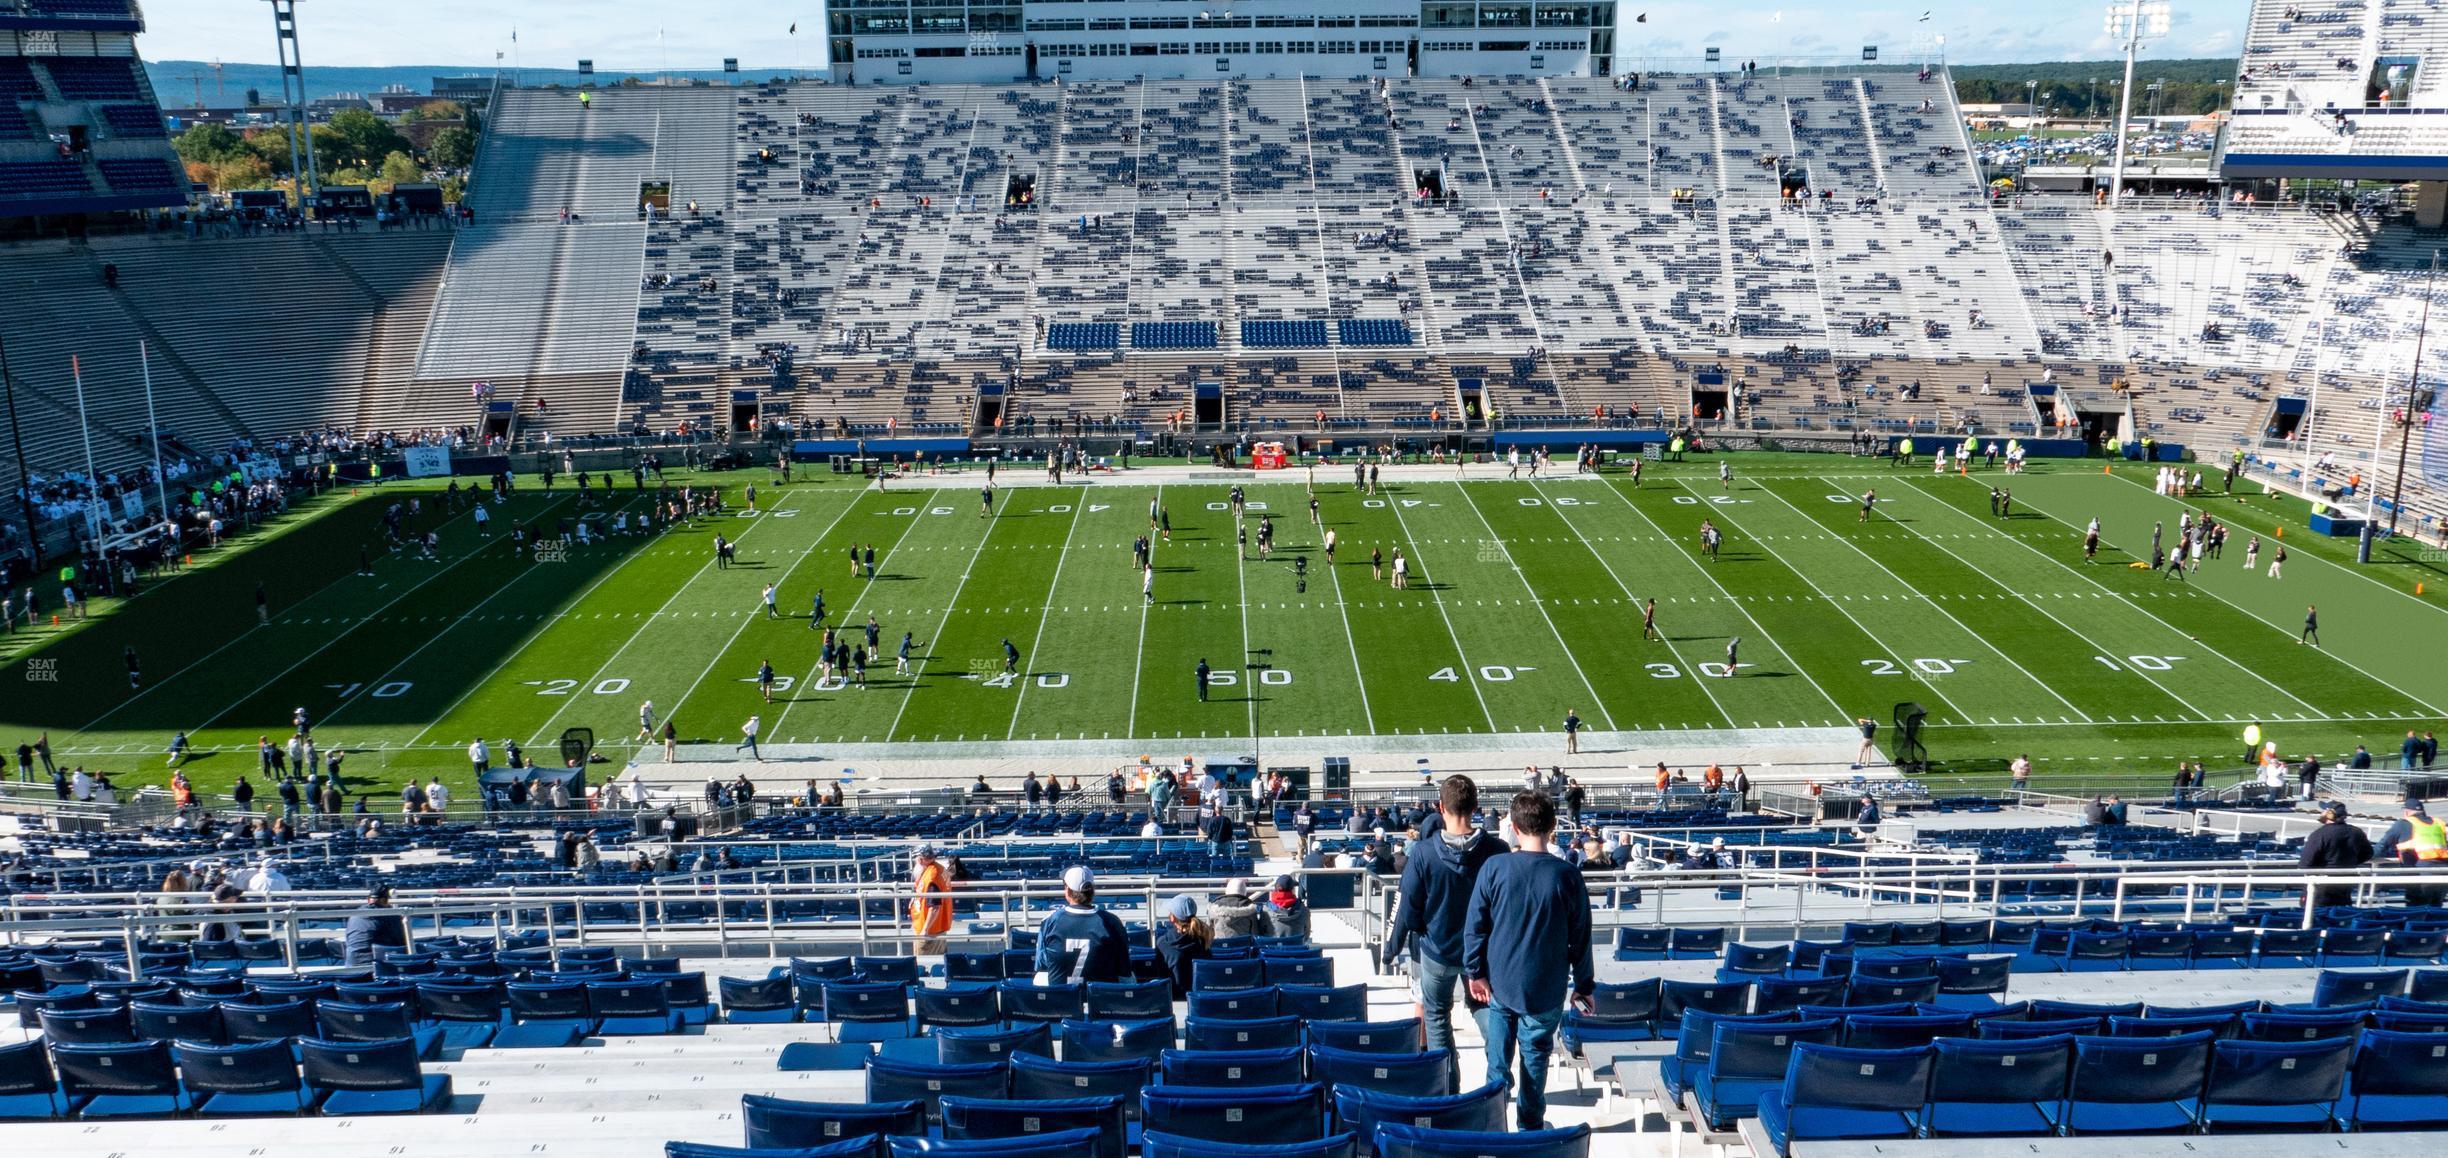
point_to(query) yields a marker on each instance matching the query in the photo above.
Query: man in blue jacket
(1081, 942)
(1525, 944)
(1436, 895)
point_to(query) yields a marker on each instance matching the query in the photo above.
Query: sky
(638, 35)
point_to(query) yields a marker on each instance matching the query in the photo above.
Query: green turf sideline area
(1524, 602)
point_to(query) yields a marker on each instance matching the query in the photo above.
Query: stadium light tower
(293, 96)
(2133, 20)
(2416, 400)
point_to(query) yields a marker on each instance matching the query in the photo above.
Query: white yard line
(2120, 596)
(1139, 658)
(949, 604)
(516, 652)
(234, 640)
(413, 588)
(1832, 601)
(1359, 680)
(1469, 677)
(1250, 685)
(2357, 572)
(808, 681)
(1934, 605)
(470, 613)
(774, 735)
(1046, 613)
(1541, 604)
(1736, 603)
(2035, 605)
(678, 590)
(1626, 588)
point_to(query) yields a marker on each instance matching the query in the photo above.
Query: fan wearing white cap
(1081, 942)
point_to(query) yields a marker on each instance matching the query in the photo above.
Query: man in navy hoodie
(1436, 893)
(1527, 933)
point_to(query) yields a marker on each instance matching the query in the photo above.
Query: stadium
(1055, 589)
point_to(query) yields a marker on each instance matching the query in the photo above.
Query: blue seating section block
(1283, 335)
(1083, 336)
(134, 121)
(44, 178)
(1374, 332)
(94, 78)
(1173, 335)
(139, 174)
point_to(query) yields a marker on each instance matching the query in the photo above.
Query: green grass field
(1524, 603)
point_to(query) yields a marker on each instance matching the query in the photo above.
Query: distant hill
(171, 79)
(2192, 85)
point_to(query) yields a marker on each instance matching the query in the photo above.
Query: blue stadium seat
(2333, 987)
(1885, 967)
(2399, 1081)
(2043, 1009)
(1028, 1001)
(370, 1077)
(1043, 1077)
(1388, 1037)
(782, 1123)
(273, 1022)
(1834, 1093)
(2095, 951)
(2265, 1084)
(895, 1081)
(966, 1118)
(1315, 970)
(1908, 991)
(2028, 1028)
(1130, 1001)
(1227, 1067)
(802, 1056)
(1208, 975)
(1694, 1039)
(970, 1044)
(2215, 1024)
(2137, 1085)
(1425, 1074)
(1747, 1059)
(2428, 985)
(165, 1021)
(632, 1007)
(882, 969)
(1396, 1140)
(2160, 949)
(375, 1021)
(864, 1146)
(1360, 1110)
(1640, 944)
(754, 1000)
(1713, 997)
(1251, 1114)
(2287, 949)
(1794, 992)
(1972, 982)
(1322, 1002)
(1904, 1032)
(2299, 1025)
(1159, 1145)
(1869, 934)
(258, 1077)
(1234, 1004)
(987, 967)
(957, 1003)
(113, 1080)
(2414, 947)
(2014, 1087)
(2221, 949)
(1970, 934)
(103, 1025)
(1755, 960)
(543, 1015)
(2352, 948)
(862, 1011)
(1144, 1039)
(1258, 1033)
(28, 1088)
(1060, 1145)
(1695, 944)
(469, 1012)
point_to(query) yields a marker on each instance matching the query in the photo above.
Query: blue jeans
(1534, 1034)
(1435, 984)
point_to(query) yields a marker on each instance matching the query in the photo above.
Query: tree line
(2088, 88)
(435, 142)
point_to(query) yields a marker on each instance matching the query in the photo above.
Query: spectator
(1232, 913)
(2420, 843)
(1081, 942)
(1304, 827)
(223, 927)
(2336, 844)
(1284, 913)
(373, 927)
(931, 911)
(1434, 903)
(1182, 940)
(1525, 945)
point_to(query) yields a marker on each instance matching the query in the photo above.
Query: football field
(1524, 603)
